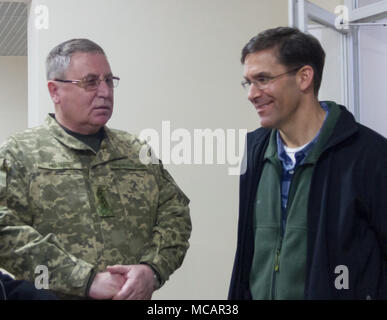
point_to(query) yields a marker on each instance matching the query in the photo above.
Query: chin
(101, 120)
(267, 124)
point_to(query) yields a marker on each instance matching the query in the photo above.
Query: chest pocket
(138, 191)
(126, 197)
(60, 202)
(58, 192)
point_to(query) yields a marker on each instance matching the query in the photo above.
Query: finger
(118, 269)
(141, 291)
(119, 279)
(123, 294)
(140, 295)
(126, 291)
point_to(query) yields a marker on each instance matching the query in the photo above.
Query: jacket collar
(345, 127)
(107, 151)
(62, 136)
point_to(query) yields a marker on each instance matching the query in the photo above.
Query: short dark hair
(294, 48)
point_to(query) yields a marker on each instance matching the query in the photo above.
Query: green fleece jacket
(279, 261)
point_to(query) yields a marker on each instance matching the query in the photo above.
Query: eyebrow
(89, 75)
(259, 75)
(262, 74)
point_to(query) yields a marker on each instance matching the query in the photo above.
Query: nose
(254, 92)
(104, 90)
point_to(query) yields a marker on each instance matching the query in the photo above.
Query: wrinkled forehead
(264, 61)
(84, 64)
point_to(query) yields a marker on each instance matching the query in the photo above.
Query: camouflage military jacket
(76, 211)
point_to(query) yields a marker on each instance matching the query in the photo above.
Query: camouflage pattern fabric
(76, 211)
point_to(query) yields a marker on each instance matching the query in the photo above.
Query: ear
(53, 89)
(305, 78)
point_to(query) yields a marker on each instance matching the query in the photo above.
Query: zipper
(277, 258)
(276, 268)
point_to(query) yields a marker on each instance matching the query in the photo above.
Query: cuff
(156, 276)
(90, 281)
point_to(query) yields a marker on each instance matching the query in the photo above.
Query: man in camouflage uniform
(76, 197)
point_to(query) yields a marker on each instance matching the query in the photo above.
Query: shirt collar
(107, 151)
(300, 155)
(61, 135)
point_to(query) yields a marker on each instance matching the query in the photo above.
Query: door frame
(301, 11)
(357, 16)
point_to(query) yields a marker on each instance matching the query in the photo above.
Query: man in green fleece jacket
(311, 199)
(285, 98)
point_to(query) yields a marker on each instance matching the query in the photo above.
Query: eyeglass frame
(81, 83)
(246, 84)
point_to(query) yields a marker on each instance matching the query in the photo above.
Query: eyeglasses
(92, 83)
(263, 82)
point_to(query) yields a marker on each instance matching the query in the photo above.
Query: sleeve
(375, 189)
(23, 250)
(22, 290)
(166, 252)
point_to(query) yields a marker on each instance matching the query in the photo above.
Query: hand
(106, 285)
(139, 283)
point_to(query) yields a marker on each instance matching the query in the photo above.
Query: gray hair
(59, 58)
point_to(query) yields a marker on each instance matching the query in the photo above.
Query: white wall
(178, 61)
(13, 95)
(373, 67)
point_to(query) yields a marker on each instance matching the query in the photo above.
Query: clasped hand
(123, 282)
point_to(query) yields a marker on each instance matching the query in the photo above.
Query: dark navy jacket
(11, 289)
(347, 215)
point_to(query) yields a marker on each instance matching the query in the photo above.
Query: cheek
(269, 95)
(86, 102)
(284, 95)
(80, 100)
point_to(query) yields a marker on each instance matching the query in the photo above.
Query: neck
(303, 127)
(82, 129)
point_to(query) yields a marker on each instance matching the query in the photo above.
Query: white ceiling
(13, 28)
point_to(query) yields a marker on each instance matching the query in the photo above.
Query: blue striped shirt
(289, 168)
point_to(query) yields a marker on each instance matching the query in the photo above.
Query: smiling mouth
(263, 106)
